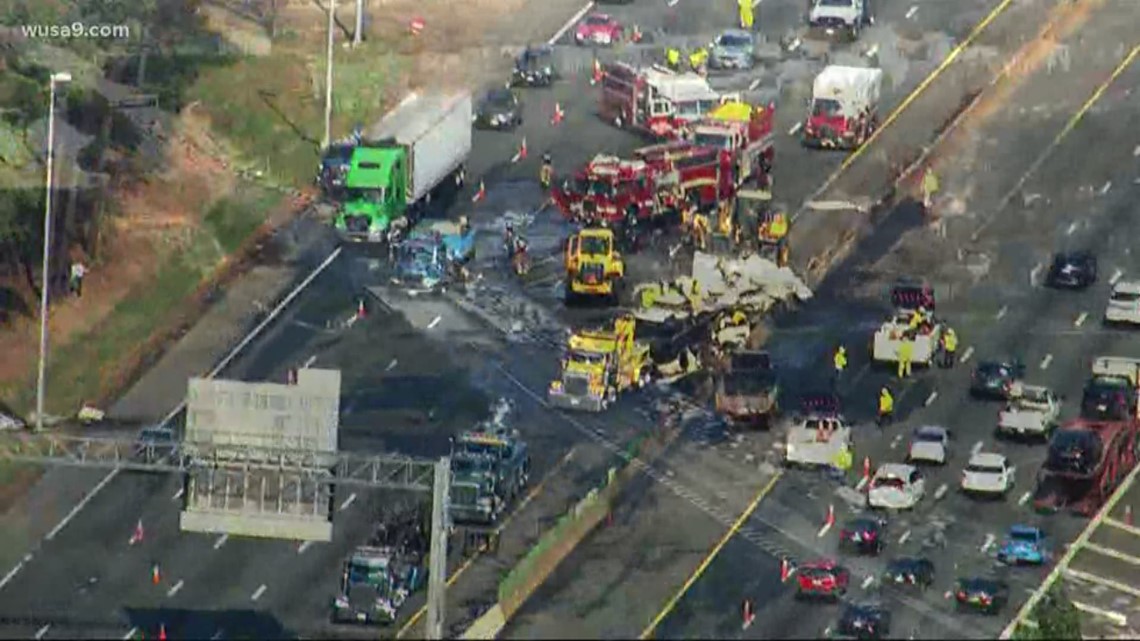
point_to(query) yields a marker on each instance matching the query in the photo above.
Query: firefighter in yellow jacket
(745, 14)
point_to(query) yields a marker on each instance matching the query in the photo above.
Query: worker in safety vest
(724, 220)
(779, 227)
(694, 294)
(546, 172)
(700, 230)
(886, 406)
(839, 360)
(745, 14)
(650, 293)
(673, 58)
(930, 188)
(949, 347)
(906, 352)
(917, 318)
(698, 60)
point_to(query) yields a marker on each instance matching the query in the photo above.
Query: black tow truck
(747, 390)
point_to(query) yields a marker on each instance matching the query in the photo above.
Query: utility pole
(358, 31)
(437, 568)
(329, 77)
(45, 278)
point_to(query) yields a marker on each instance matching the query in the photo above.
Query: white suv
(1124, 303)
(988, 474)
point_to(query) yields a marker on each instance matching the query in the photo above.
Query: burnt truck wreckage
(378, 578)
(490, 468)
(1089, 457)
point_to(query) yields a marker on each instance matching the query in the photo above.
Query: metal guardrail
(385, 471)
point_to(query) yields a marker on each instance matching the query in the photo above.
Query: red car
(822, 579)
(599, 29)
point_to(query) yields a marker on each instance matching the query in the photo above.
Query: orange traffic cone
(867, 468)
(137, 535)
(481, 194)
(1128, 514)
(830, 521)
(416, 26)
(597, 75)
(521, 153)
(161, 632)
(785, 570)
(749, 614)
(155, 575)
(361, 312)
(558, 114)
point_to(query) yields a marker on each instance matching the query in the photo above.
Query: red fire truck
(1086, 461)
(608, 189)
(685, 171)
(743, 133)
(654, 100)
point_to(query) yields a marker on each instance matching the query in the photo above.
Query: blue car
(1024, 545)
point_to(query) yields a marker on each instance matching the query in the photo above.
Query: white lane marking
(1136, 151)
(309, 361)
(1034, 272)
(351, 321)
(824, 530)
(1107, 186)
(905, 536)
(392, 365)
(873, 51)
(224, 363)
(258, 592)
(941, 492)
(221, 541)
(1081, 319)
(930, 399)
(755, 83)
(1046, 361)
(1024, 498)
(348, 502)
(967, 354)
(977, 447)
(1001, 312)
(895, 441)
(79, 506)
(1072, 228)
(435, 321)
(910, 12)
(175, 589)
(795, 44)
(1115, 277)
(795, 128)
(570, 23)
(130, 634)
(868, 581)
(42, 631)
(673, 3)
(988, 542)
(304, 546)
(177, 495)
(11, 574)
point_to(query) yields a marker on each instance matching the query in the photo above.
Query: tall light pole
(329, 77)
(45, 277)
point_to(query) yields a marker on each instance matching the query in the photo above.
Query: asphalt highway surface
(419, 373)
(1006, 211)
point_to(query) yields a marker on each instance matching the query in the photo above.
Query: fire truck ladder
(380, 471)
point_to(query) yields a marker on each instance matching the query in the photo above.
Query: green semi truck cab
(376, 191)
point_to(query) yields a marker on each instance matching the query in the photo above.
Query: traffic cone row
(521, 153)
(749, 615)
(481, 194)
(137, 535)
(558, 115)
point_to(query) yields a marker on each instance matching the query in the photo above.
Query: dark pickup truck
(747, 389)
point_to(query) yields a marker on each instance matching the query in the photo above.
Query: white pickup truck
(816, 440)
(895, 330)
(1034, 412)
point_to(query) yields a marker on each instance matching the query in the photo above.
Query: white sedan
(896, 486)
(929, 444)
(988, 474)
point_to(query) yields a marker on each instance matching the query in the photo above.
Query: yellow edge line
(502, 526)
(924, 85)
(672, 603)
(1076, 119)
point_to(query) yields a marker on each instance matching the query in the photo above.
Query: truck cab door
(572, 253)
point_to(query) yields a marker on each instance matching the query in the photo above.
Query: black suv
(1072, 270)
(535, 68)
(500, 109)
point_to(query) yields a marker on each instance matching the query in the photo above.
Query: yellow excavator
(594, 267)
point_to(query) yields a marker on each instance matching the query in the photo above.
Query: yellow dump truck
(594, 267)
(600, 364)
